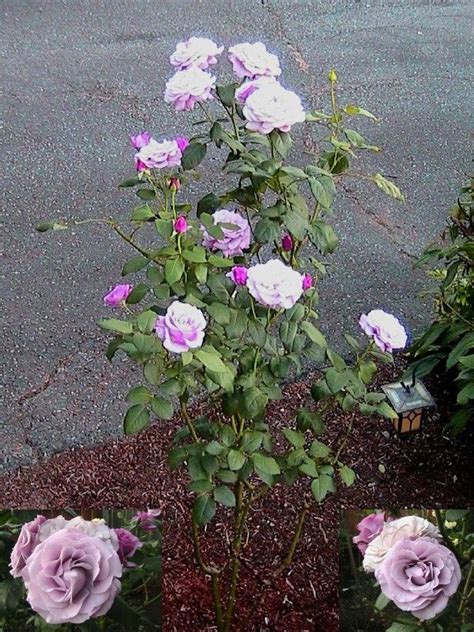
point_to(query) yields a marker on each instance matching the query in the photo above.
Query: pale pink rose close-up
(72, 577)
(273, 107)
(200, 52)
(274, 284)
(159, 155)
(253, 60)
(235, 240)
(188, 87)
(140, 140)
(386, 330)
(408, 527)
(146, 520)
(25, 544)
(181, 328)
(248, 87)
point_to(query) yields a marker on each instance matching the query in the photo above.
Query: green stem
(206, 113)
(466, 592)
(294, 542)
(445, 534)
(188, 420)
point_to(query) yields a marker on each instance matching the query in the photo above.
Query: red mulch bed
(426, 470)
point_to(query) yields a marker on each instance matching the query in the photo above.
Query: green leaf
(114, 324)
(174, 269)
(211, 361)
(226, 94)
(267, 230)
(313, 333)
(162, 407)
(235, 459)
(43, 227)
(347, 475)
(254, 402)
(322, 486)
(142, 213)
(295, 438)
(367, 370)
(164, 228)
(388, 187)
(215, 448)
(386, 410)
(224, 496)
(354, 110)
(145, 194)
(193, 155)
(381, 602)
(265, 464)
(320, 194)
(196, 255)
(137, 294)
(135, 265)
(136, 418)
(323, 237)
(219, 312)
(131, 182)
(209, 203)
(139, 395)
(201, 486)
(336, 380)
(176, 456)
(146, 321)
(319, 450)
(465, 344)
(296, 223)
(204, 509)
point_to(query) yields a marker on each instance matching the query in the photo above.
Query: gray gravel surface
(80, 76)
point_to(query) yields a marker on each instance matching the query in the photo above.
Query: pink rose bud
(181, 225)
(238, 274)
(287, 243)
(307, 281)
(182, 142)
(117, 295)
(128, 545)
(174, 184)
(140, 140)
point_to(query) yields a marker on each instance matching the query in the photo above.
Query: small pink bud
(287, 243)
(307, 281)
(174, 183)
(238, 274)
(181, 225)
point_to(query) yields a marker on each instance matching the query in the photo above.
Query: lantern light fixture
(410, 402)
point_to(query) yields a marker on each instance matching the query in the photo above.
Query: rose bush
(231, 302)
(78, 571)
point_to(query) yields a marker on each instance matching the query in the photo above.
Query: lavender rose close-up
(25, 545)
(386, 330)
(181, 328)
(199, 52)
(235, 240)
(117, 295)
(274, 284)
(273, 107)
(253, 60)
(419, 576)
(128, 545)
(159, 155)
(72, 577)
(188, 87)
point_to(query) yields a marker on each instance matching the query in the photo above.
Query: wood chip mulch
(426, 470)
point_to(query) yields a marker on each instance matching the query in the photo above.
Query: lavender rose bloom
(72, 577)
(253, 60)
(188, 87)
(182, 142)
(165, 154)
(117, 295)
(411, 527)
(140, 140)
(274, 284)
(235, 240)
(25, 545)
(181, 328)
(386, 330)
(200, 52)
(128, 546)
(249, 87)
(273, 107)
(419, 576)
(369, 528)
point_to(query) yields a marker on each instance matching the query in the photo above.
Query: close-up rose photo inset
(64, 571)
(407, 570)
(239, 281)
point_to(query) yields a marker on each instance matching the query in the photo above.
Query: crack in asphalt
(48, 380)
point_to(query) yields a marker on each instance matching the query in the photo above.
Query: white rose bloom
(408, 527)
(95, 528)
(200, 52)
(188, 87)
(274, 284)
(253, 60)
(248, 87)
(273, 107)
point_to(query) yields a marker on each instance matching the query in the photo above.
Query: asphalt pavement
(79, 77)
